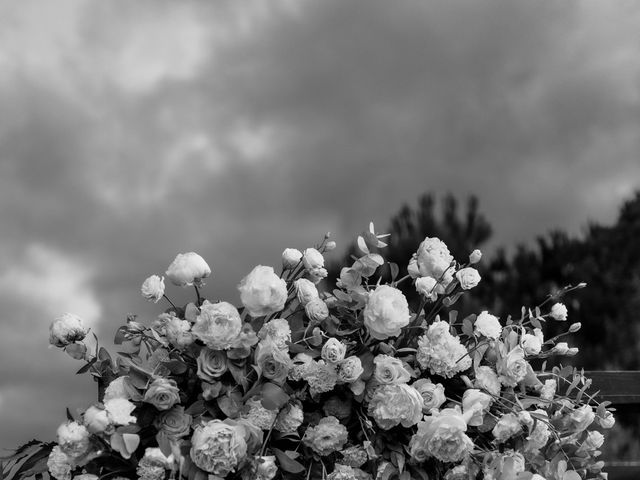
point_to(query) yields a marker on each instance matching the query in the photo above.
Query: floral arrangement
(341, 385)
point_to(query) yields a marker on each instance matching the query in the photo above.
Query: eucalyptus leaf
(287, 463)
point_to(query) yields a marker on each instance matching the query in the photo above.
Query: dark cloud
(240, 133)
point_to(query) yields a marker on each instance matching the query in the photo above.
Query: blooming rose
(433, 260)
(593, 441)
(476, 402)
(312, 259)
(532, 344)
(561, 348)
(333, 351)
(174, 423)
(429, 287)
(153, 464)
(508, 425)
(394, 404)
(468, 278)
(441, 352)
(163, 393)
(442, 436)
(218, 446)
(96, 419)
(178, 332)
(390, 370)
(153, 288)
(559, 312)
(354, 456)
(116, 389)
(608, 421)
(488, 325)
(291, 257)
(512, 368)
(59, 464)
(188, 269)
(316, 310)
(326, 437)
(432, 394)
(278, 331)
(119, 410)
(582, 417)
(218, 325)
(66, 329)
(386, 312)
(349, 369)
(212, 364)
(289, 418)
(73, 439)
(475, 256)
(267, 468)
(262, 292)
(273, 362)
(305, 290)
(487, 379)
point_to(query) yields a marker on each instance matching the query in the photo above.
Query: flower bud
(331, 245)
(561, 348)
(291, 257)
(66, 329)
(572, 351)
(312, 259)
(558, 312)
(475, 256)
(575, 327)
(153, 288)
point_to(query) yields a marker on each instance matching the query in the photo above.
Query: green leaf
(273, 396)
(197, 408)
(77, 351)
(395, 270)
(176, 367)
(239, 374)
(85, 368)
(164, 443)
(120, 335)
(230, 403)
(287, 463)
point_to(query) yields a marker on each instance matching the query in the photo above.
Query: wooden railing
(622, 389)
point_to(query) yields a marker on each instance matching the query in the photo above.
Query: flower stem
(167, 299)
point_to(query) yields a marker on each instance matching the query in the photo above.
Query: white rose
(67, 329)
(153, 288)
(433, 260)
(488, 325)
(442, 353)
(512, 368)
(188, 269)
(349, 370)
(330, 245)
(262, 292)
(218, 446)
(487, 379)
(531, 344)
(291, 257)
(548, 390)
(468, 278)
(119, 410)
(559, 312)
(442, 436)
(316, 310)
(178, 332)
(386, 312)
(59, 464)
(475, 256)
(333, 351)
(390, 370)
(312, 259)
(267, 468)
(582, 417)
(278, 331)
(429, 287)
(477, 402)
(608, 421)
(593, 441)
(116, 389)
(394, 404)
(153, 465)
(290, 418)
(412, 268)
(305, 290)
(96, 419)
(561, 348)
(432, 394)
(218, 325)
(326, 437)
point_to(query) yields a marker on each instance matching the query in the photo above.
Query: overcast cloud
(131, 131)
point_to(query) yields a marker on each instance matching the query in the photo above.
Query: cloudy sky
(131, 131)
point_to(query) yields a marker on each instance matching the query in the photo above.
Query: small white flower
(305, 290)
(316, 310)
(608, 421)
(386, 312)
(468, 278)
(429, 287)
(188, 269)
(312, 259)
(488, 325)
(561, 348)
(333, 351)
(291, 257)
(119, 410)
(96, 419)
(73, 439)
(330, 245)
(262, 292)
(266, 467)
(508, 425)
(66, 330)
(487, 379)
(153, 288)
(477, 404)
(593, 441)
(559, 312)
(475, 256)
